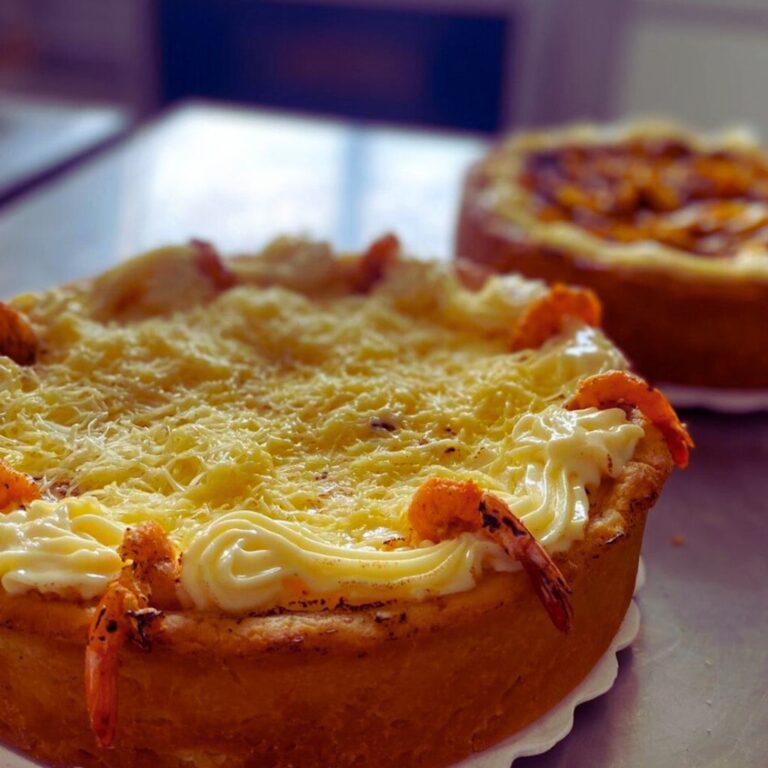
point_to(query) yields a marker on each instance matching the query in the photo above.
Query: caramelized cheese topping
(708, 203)
(645, 194)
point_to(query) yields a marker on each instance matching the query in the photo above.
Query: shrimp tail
(443, 509)
(106, 636)
(554, 593)
(546, 578)
(101, 695)
(124, 614)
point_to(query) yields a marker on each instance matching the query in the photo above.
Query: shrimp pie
(670, 228)
(300, 509)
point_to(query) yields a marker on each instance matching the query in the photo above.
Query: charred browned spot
(143, 620)
(490, 522)
(516, 528)
(387, 426)
(99, 618)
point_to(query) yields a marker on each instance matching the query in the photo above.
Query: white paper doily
(718, 400)
(537, 737)
(556, 724)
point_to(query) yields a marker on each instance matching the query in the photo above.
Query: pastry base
(555, 725)
(537, 738)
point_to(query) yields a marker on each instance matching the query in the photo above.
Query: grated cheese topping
(278, 430)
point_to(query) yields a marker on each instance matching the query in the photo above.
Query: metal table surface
(39, 136)
(692, 691)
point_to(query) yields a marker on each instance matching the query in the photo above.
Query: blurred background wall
(472, 65)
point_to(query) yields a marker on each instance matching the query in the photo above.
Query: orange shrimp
(115, 620)
(212, 266)
(17, 339)
(619, 388)
(16, 488)
(443, 509)
(370, 268)
(125, 613)
(544, 318)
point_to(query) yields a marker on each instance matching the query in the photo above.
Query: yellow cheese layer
(278, 435)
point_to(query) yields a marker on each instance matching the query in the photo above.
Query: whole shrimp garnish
(16, 488)
(125, 613)
(442, 509)
(619, 388)
(371, 267)
(17, 339)
(545, 317)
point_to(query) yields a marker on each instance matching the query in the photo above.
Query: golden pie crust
(668, 227)
(417, 683)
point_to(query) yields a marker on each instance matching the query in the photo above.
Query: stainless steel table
(39, 137)
(692, 691)
(237, 178)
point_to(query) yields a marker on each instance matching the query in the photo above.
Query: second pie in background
(670, 228)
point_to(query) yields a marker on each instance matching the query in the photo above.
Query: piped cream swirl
(244, 560)
(564, 454)
(247, 561)
(65, 548)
